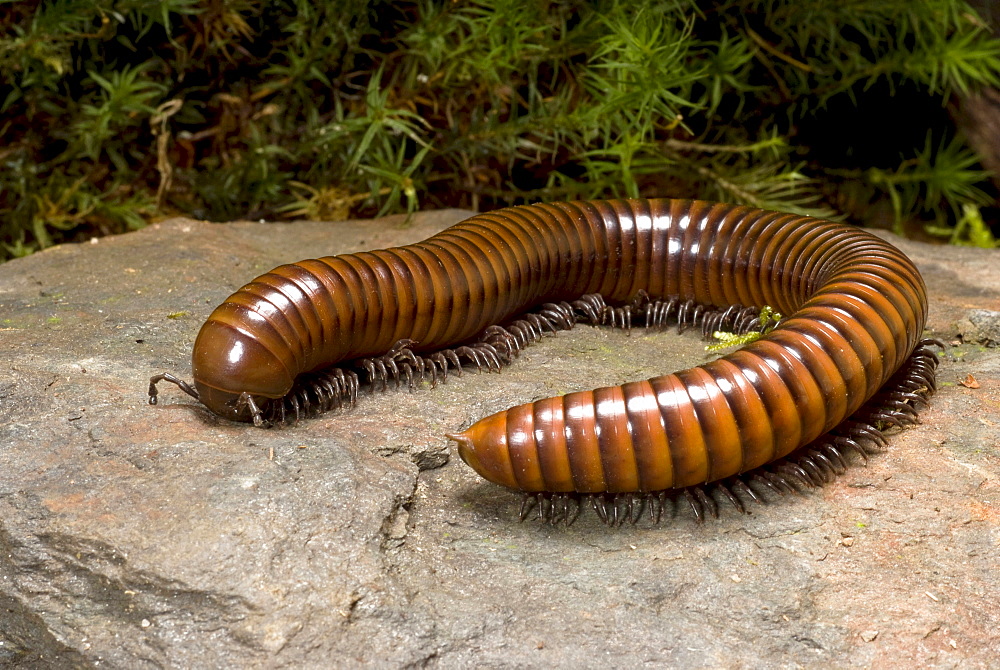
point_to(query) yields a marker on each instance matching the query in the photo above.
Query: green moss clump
(114, 113)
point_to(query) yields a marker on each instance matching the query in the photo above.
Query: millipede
(783, 413)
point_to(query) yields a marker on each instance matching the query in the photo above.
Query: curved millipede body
(855, 308)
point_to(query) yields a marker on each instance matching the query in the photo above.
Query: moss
(116, 113)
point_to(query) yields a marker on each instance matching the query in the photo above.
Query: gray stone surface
(981, 326)
(141, 537)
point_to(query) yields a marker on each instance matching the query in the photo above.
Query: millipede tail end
(815, 465)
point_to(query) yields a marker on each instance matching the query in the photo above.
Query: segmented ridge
(335, 388)
(895, 406)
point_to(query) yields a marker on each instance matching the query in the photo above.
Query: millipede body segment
(854, 306)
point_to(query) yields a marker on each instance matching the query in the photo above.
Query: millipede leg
(571, 517)
(818, 473)
(597, 503)
(246, 401)
(731, 497)
(636, 505)
(838, 468)
(707, 502)
(763, 477)
(661, 503)
(699, 512)
(615, 515)
(591, 307)
(528, 503)
(745, 488)
(544, 507)
(167, 377)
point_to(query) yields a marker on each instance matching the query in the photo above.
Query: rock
(138, 536)
(981, 326)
